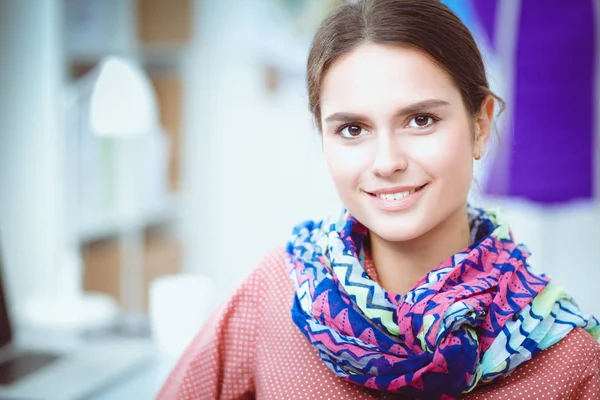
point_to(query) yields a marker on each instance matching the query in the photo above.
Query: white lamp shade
(122, 102)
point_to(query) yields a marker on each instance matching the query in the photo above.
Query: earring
(479, 154)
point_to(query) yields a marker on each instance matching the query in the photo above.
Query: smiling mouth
(397, 196)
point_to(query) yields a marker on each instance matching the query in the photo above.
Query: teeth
(396, 196)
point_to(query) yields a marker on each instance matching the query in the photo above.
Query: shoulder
(566, 360)
(272, 262)
(563, 370)
(267, 281)
(580, 343)
(271, 269)
(272, 273)
(574, 354)
(570, 366)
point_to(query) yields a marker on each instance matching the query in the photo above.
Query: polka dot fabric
(250, 349)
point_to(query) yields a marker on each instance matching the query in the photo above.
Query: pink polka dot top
(251, 349)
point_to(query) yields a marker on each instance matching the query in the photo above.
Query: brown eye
(352, 131)
(421, 121)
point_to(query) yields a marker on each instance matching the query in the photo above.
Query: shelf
(153, 54)
(112, 225)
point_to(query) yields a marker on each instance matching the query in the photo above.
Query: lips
(396, 193)
(396, 198)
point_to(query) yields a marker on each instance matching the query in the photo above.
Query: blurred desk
(140, 384)
(88, 365)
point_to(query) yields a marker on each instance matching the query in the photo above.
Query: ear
(483, 127)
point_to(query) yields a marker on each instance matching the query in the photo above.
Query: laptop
(37, 365)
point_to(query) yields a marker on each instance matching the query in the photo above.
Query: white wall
(254, 166)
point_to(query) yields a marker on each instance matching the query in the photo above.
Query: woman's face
(398, 140)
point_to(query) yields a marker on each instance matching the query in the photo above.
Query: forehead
(377, 77)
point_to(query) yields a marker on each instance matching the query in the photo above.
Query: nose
(389, 157)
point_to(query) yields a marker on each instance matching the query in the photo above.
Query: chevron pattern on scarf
(473, 318)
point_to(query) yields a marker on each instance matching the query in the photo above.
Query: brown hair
(427, 25)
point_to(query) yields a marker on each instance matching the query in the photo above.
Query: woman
(409, 292)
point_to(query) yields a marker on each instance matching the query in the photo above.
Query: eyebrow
(412, 109)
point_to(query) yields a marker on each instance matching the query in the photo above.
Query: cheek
(346, 164)
(448, 156)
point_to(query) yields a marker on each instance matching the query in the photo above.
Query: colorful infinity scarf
(472, 319)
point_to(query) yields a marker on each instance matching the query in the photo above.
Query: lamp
(122, 100)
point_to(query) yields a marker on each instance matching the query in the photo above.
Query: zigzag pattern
(483, 310)
(371, 302)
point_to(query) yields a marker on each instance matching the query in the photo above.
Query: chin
(397, 233)
(396, 228)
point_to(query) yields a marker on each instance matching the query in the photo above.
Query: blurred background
(151, 151)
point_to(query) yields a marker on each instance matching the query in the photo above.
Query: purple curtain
(549, 156)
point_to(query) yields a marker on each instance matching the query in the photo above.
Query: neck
(400, 265)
